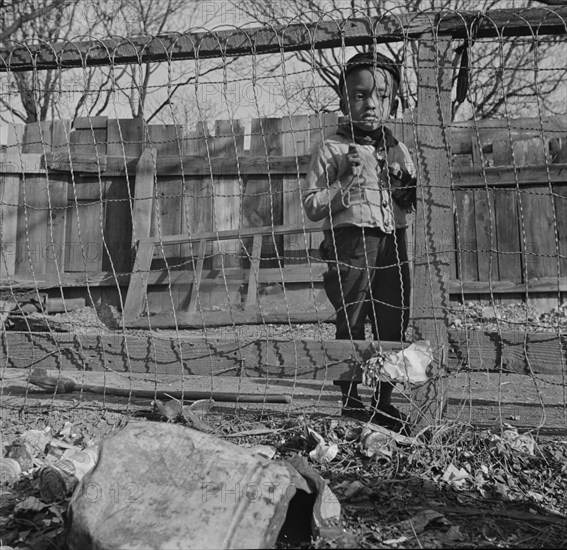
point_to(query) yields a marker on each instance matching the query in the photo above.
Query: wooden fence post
(434, 242)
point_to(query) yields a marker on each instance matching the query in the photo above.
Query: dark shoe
(356, 413)
(391, 418)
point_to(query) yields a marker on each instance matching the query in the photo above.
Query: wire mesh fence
(155, 242)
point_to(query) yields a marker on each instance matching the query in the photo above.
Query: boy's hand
(353, 160)
(403, 188)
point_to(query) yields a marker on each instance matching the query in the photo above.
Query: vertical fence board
(295, 141)
(32, 226)
(117, 227)
(85, 213)
(37, 137)
(56, 223)
(321, 126)
(508, 235)
(9, 199)
(541, 250)
(434, 218)
(228, 144)
(89, 137)
(262, 200)
(466, 236)
(561, 217)
(165, 139)
(485, 235)
(15, 138)
(126, 136)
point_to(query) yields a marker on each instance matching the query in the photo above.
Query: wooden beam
(278, 38)
(22, 163)
(9, 200)
(112, 165)
(463, 177)
(547, 284)
(434, 242)
(509, 176)
(227, 355)
(299, 273)
(143, 196)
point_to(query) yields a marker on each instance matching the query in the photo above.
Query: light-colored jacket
(329, 191)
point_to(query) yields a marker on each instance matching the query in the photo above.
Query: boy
(352, 179)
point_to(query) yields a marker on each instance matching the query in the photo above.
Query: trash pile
(181, 467)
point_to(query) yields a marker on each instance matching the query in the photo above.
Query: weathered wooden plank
(560, 200)
(76, 162)
(60, 133)
(171, 165)
(194, 300)
(117, 231)
(297, 275)
(434, 220)
(119, 207)
(126, 137)
(506, 176)
(32, 226)
(143, 207)
(465, 231)
(113, 165)
(137, 289)
(256, 255)
(262, 200)
(89, 140)
(167, 220)
(85, 217)
(56, 223)
(90, 122)
(540, 253)
(166, 139)
(295, 141)
(227, 196)
(544, 284)
(508, 235)
(530, 151)
(485, 235)
(228, 143)
(537, 353)
(286, 37)
(9, 198)
(15, 138)
(22, 163)
(37, 137)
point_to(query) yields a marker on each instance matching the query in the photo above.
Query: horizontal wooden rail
(463, 177)
(297, 273)
(266, 357)
(547, 284)
(506, 176)
(275, 39)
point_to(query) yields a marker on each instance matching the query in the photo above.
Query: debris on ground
(408, 365)
(453, 486)
(507, 317)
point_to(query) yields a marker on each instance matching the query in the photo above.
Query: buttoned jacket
(331, 192)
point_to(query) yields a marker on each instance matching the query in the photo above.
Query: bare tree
(140, 90)
(31, 21)
(497, 76)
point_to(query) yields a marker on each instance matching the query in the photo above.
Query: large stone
(160, 485)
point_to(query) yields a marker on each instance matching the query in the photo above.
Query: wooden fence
(75, 198)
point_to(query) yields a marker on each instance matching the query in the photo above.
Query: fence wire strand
(199, 268)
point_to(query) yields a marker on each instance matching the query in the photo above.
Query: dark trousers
(368, 278)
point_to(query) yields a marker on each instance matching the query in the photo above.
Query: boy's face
(368, 97)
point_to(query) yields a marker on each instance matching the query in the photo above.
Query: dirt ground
(399, 503)
(508, 498)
